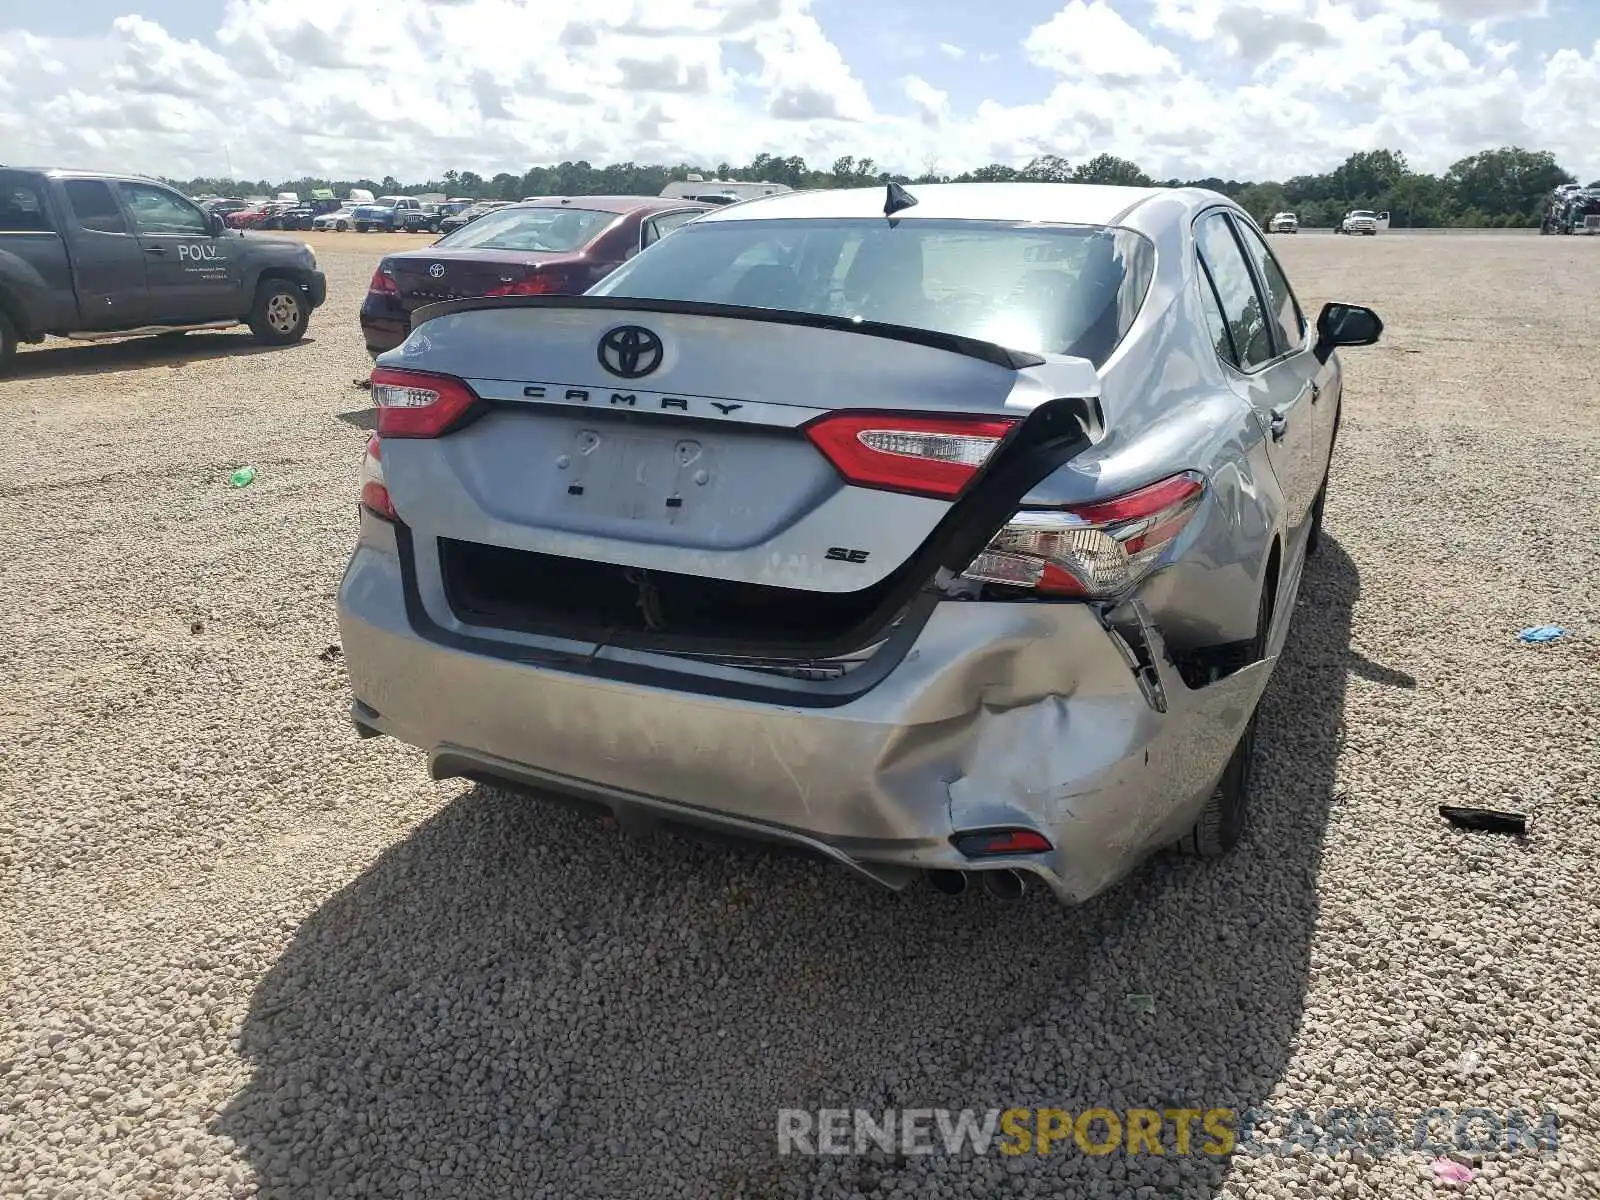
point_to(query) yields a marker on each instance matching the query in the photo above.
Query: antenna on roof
(897, 201)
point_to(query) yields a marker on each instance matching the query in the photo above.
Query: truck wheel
(1221, 822)
(8, 343)
(280, 314)
(361, 226)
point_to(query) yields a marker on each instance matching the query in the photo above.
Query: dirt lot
(244, 951)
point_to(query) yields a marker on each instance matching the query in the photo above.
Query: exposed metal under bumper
(104, 335)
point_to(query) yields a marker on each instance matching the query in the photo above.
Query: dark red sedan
(560, 245)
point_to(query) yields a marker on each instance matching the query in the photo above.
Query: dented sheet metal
(1000, 713)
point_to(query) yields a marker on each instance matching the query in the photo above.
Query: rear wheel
(1221, 822)
(280, 314)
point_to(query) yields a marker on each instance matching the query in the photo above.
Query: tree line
(1500, 188)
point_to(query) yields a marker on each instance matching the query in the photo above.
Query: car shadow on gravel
(59, 358)
(517, 1000)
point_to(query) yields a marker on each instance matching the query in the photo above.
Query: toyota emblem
(630, 351)
(437, 270)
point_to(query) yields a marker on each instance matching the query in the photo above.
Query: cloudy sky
(348, 88)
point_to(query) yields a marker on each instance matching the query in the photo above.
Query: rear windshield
(556, 229)
(1059, 289)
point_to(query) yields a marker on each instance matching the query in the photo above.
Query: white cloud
(932, 105)
(1093, 39)
(1235, 88)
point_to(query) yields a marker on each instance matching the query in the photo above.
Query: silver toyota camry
(948, 531)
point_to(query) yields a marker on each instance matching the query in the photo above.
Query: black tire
(280, 314)
(1314, 534)
(361, 226)
(1222, 820)
(8, 343)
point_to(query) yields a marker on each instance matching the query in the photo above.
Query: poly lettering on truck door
(191, 274)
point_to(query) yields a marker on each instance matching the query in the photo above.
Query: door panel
(1298, 366)
(192, 274)
(107, 262)
(1274, 377)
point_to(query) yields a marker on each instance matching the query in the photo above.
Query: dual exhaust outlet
(1003, 884)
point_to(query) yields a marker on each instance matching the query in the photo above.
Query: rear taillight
(383, 283)
(537, 283)
(899, 452)
(416, 404)
(374, 493)
(1093, 550)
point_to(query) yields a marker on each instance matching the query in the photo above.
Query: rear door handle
(155, 249)
(1279, 425)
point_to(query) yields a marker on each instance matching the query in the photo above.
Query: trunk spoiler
(989, 352)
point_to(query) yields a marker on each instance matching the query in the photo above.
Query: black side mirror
(1346, 325)
(217, 225)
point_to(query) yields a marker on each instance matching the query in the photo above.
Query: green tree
(1509, 182)
(1108, 168)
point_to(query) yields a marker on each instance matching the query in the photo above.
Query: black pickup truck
(92, 256)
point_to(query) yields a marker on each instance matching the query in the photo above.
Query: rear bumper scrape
(1000, 714)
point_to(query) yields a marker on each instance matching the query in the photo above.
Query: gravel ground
(245, 953)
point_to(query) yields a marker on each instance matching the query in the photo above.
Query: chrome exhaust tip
(1004, 885)
(949, 883)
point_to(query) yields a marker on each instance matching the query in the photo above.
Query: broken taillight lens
(418, 404)
(1093, 550)
(374, 493)
(908, 452)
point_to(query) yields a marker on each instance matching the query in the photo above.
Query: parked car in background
(304, 215)
(257, 216)
(223, 207)
(1363, 222)
(550, 247)
(723, 191)
(471, 213)
(340, 219)
(421, 220)
(959, 545)
(92, 256)
(384, 213)
(1284, 222)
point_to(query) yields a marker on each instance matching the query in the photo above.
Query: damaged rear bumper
(1018, 715)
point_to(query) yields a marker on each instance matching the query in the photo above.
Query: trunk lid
(444, 274)
(688, 496)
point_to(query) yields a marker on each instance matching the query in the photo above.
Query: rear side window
(22, 205)
(657, 228)
(1236, 291)
(1060, 289)
(94, 206)
(1282, 306)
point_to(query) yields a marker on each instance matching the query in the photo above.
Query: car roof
(1060, 203)
(64, 173)
(616, 204)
